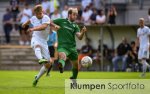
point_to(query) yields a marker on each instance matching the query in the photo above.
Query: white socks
(38, 53)
(145, 65)
(42, 71)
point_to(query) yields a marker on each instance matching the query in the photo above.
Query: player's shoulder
(46, 16)
(138, 29)
(146, 27)
(61, 19)
(33, 18)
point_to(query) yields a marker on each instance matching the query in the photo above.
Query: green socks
(75, 73)
(62, 62)
(74, 70)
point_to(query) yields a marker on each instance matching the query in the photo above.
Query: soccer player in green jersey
(66, 41)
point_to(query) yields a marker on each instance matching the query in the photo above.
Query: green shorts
(71, 53)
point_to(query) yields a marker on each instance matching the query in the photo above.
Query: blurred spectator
(48, 13)
(122, 52)
(54, 4)
(112, 13)
(56, 14)
(65, 12)
(7, 24)
(46, 5)
(37, 1)
(22, 2)
(106, 53)
(14, 3)
(98, 4)
(25, 15)
(149, 15)
(100, 18)
(133, 58)
(86, 3)
(86, 16)
(93, 16)
(86, 49)
(141, 2)
(15, 11)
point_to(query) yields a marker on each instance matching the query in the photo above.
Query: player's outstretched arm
(38, 28)
(26, 23)
(81, 33)
(54, 26)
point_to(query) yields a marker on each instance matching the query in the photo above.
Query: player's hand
(84, 29)
(30, 30)
(23, 25)
(57, 27)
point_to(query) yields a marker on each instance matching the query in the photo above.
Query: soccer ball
(86, 61)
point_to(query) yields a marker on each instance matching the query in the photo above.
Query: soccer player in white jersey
(40, 23)
(143, 35)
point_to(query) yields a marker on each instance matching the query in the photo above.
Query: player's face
(73, 16)
(39, 15)
(141, 23)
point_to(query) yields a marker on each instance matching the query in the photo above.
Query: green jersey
(66, 33)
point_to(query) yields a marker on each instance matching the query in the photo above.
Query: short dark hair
(72, 10)
(38, 8)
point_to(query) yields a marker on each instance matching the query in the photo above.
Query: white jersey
(42, 35)
(143, 35)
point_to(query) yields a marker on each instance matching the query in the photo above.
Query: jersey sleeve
(148, 29)
(46, 20)
(77, 29)
(32, 19)
(57, 21)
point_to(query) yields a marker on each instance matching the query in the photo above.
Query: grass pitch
(20, 82)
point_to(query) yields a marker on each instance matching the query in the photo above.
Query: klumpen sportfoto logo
(107, 86)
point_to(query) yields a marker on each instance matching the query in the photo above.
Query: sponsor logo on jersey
(68, 28)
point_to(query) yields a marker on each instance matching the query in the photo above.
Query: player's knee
(62, 56)
(47, 65)
(51, 61)
(37, 46)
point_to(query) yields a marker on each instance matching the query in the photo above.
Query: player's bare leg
(145, 66)
(61, 61)
(49, 69)
(41, 73)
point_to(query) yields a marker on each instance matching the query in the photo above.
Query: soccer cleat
(60, 68)
(73, 80)
(43, 61)
(35, 82)
(143, 75)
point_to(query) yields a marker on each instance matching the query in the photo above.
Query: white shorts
(143, 53)
(44, 47)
